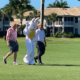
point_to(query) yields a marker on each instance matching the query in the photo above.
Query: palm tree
(33, 14)
(3, 15)
(52, 5)
(22, 7)
(24, 4)
(60, 4)
(15, 6)
(11, 7)
(53, 18)
(8, 12)
(20, 16)
(0, 14)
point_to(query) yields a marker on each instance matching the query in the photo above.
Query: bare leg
(15, 56)
(10, 53)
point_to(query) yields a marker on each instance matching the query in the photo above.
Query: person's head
(40, 26)
(14, 26)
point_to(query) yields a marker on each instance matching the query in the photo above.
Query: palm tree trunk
(21, 25)
(3, 27)
(4, 36)
(42, 12)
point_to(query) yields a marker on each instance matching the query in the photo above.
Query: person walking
(40, 44)
(12, 43)
(29, 32)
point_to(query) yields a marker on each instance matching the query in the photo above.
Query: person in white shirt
(40, 44)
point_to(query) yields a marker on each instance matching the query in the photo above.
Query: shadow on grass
(51, 64)
(57, 65)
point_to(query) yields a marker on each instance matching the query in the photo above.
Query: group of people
(32, 35)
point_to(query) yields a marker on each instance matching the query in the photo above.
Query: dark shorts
(13, 46)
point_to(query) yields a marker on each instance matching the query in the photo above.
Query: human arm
(7, 40)
(26, 31)
(8, 36)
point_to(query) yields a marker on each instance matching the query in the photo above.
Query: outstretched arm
(26, 31)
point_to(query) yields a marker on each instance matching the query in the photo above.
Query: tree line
(18, 7)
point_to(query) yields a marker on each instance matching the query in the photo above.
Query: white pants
(29, 57)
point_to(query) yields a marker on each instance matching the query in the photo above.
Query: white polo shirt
(40, 35)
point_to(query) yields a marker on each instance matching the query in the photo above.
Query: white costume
(31, 37)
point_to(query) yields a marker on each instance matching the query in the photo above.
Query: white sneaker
(16, 63)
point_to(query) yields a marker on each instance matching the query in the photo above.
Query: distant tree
(20, 15)
(0, 14)
(3, 15)
(33, 14)
(52, 17)
(60, 4)
(52, 5)
(16, 6)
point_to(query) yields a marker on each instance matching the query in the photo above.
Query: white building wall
(45, 22)
(24, 21)
(6, 25)
(77, 25)
(16, 19)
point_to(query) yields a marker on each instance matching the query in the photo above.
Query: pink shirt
(12, 34)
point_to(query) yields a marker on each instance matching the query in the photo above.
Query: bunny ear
(37, 19)
(33, 20)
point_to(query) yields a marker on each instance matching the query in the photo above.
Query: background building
(68, 19)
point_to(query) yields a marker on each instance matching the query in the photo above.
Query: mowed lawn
(61, 61)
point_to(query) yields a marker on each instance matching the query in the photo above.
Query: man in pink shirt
(12, 43)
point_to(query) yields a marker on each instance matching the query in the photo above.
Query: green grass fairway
(61, 61)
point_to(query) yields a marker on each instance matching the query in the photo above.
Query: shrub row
(64, 34)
